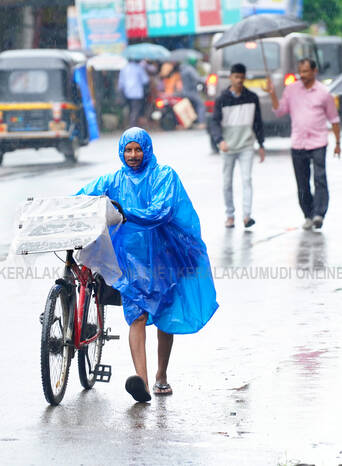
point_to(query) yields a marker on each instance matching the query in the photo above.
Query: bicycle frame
(72, 273)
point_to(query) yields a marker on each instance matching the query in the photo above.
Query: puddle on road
(3, 251)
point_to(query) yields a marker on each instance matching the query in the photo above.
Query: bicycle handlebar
(120, 209)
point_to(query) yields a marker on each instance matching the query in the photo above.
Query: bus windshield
(250, 55)
(330, 56)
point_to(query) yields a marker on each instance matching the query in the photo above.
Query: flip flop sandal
(137, 388)
(159, 389)
(249, 223)
(229, 225)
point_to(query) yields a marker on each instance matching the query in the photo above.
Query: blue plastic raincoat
(165, 266)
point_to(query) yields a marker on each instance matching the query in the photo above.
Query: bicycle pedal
(108, 337)
(112, 337)
(103, 373)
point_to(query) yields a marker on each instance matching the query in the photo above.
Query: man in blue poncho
(166, 277)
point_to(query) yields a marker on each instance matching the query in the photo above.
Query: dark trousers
(135, 110)
(316, 204)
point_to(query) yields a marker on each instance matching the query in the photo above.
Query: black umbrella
(260, 27)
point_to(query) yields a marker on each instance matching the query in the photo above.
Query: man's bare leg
(165, 341)
(137, 340)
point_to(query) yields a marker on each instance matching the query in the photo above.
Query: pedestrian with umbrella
(190, 81)
(134, 80)
(258, 27)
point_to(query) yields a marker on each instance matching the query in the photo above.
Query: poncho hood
(140, 136)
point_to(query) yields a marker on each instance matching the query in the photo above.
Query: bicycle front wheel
(55, 355)
(90, 355)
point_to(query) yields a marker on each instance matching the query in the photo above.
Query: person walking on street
(235, 124)
(190, 81)
(132, 81)
(171, 81)
(166, 276)
(310, 106)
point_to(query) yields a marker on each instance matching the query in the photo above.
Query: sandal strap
(162, 386)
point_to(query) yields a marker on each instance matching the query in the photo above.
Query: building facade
(33, 23)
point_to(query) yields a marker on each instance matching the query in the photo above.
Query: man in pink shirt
(310, 106)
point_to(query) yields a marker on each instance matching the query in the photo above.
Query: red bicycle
(73, 320)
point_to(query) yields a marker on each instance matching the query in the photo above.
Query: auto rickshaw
(45, 102)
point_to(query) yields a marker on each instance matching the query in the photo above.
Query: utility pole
(28, 28)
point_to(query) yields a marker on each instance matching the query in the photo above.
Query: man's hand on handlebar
(120, 209)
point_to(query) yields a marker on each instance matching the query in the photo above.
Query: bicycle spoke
(92, 348)
(55, 354)
(90, 355)
(57, 362)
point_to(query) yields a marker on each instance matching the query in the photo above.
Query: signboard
(217, 14)
(170, 17)
(36, 3)
(293, 7)
(102, 25)
(209, 12)
(136, 20)
(74, 41)
(157, 18)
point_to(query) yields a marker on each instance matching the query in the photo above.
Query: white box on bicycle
(70, 222)
(185, 112)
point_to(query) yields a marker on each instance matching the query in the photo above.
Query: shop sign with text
(102, 25)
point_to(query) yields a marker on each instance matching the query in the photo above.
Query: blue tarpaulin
(164, 262)
(80, 78)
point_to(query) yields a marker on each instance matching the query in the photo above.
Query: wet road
(260, 385)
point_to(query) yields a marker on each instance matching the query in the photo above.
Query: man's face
(307, 75)
(133, 155)
(237, 80)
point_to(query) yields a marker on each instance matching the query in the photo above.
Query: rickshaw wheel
(71, 153)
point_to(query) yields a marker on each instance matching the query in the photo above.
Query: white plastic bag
(70, 222)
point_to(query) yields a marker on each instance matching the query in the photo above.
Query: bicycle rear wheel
(90, 355)
(55, 355)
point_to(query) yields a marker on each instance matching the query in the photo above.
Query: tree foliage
(327, 11)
